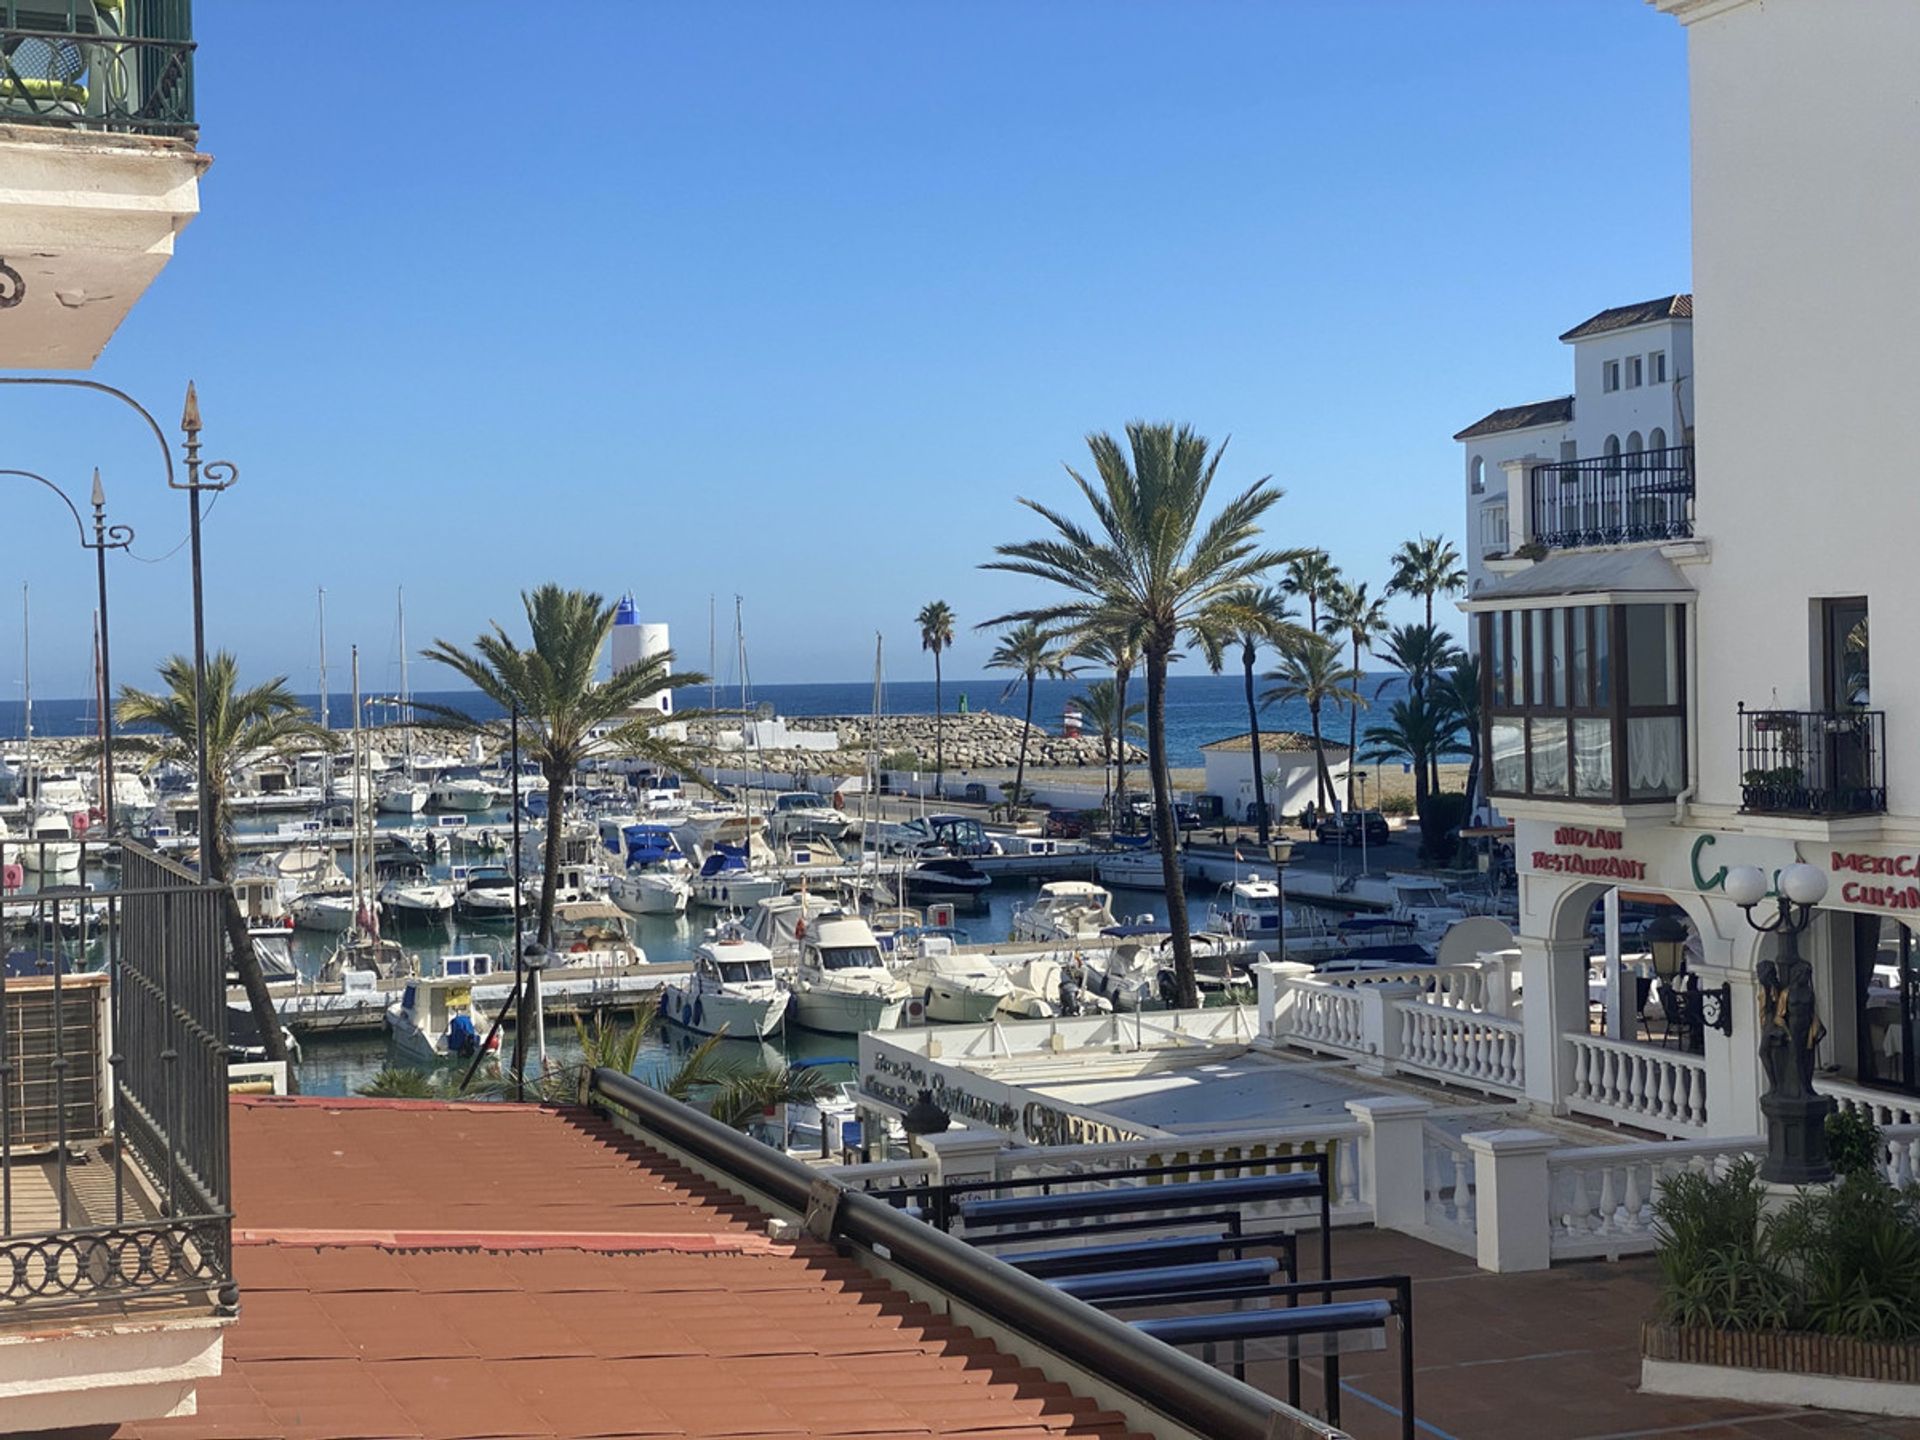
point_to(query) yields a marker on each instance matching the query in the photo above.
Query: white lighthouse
(634, 642)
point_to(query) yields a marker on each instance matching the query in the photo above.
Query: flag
(1238, 858)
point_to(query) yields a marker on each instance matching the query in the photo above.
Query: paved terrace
(1553, 1355)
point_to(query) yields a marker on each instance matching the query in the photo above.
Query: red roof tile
(491, 1272)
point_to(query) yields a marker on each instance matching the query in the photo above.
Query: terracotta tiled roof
(1275, 742)
(1520, 417)
(506, 1271)
(1625, 317)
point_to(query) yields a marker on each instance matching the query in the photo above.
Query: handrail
(1163, 1378)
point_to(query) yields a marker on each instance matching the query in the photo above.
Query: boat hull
(949, 1005)
(838, 1012)
(739, 1016)
(650, 895)
(722, 894)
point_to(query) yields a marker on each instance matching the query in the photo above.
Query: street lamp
(1789, 1026)
(1280, 851)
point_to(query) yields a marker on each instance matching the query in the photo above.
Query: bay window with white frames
(1585, 702)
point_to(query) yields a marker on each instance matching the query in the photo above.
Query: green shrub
(1715, 1269)
(1853, 1142)
(1443, 812)
(1854, 1251)
(1397, 805)
(904, 759)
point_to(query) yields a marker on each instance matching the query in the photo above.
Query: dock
(311, 1011)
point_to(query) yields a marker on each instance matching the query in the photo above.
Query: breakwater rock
(971, 742)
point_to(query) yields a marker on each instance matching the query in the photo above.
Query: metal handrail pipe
(1162, 1378)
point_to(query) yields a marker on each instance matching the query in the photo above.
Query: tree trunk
(215, 850)
(1322, 782)
(1421, 794)
(550, 864)
(1353, 721)
(1020, 771)
(1121, 675)
(1247, 658)
(1187, 991)
(939, 732)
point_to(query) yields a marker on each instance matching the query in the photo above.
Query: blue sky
(794, 301)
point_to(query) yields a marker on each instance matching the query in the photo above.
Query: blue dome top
(625, 614)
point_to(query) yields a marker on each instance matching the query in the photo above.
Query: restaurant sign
(1873, 879)
(895, 1076)
(1590, 852)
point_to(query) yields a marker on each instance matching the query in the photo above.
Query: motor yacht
(781, 922)
(51, 846)
(657, 879)
(402, 796)
(1064, 911)
(435, 1019)
(954, 988)
(841, 984)
(731, 988)
(801, 812)
(486, 893)
(728, 882)
(461, 791)
(409, 895)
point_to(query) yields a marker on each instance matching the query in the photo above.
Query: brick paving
(1553, 1356)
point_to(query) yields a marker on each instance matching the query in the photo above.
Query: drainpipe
(1685, 797)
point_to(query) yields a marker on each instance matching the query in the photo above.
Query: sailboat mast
(323, 659)
(406, 691)
(359, 772)
(26, 681)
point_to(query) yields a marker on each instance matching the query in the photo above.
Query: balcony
(108, 65)
(115, 1228)
(1645, 495)
(1813, 762)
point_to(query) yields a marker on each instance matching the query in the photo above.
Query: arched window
(1477, 475)
(1634, 448)
(1612, 452)
(1657, 440)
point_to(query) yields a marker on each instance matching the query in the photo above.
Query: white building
(1287, 760)
(633, 642)
(1678, 679)
(1632, 394)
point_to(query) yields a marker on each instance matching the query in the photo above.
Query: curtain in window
(1655, 755)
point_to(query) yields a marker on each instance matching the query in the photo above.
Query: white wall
(1806, 142)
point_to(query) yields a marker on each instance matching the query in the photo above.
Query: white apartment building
(1632, 395)
(1676, 644)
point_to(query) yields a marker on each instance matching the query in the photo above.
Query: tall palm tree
(1427, 567)
(936, 634)
(242, 726)
(1252, 616)
(1422, 654)
(1312, 577)
(1031, 651)
(1149, 564)
(1311, 673)
(1358, 618)
(1115, 721)
(1459, 696)
(1118, 648)
(553, 686)
(1418, 729)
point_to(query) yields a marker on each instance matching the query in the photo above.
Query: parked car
(1349, 827)
(1185, 817)
(974, 792)
(1062, 825)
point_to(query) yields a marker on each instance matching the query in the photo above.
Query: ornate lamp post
(1280, 851)
(1789, 1026)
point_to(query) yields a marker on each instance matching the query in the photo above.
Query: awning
(1639, 575)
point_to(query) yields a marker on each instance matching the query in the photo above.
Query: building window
(1477, 475)
(1569, 452)
(1657, 368)
(1657, 439)
(1635, 374)
(1610, 376)
(1586, 702)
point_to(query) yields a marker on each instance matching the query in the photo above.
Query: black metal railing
(1614, 499)
(95, 65)
(114, 1181)
(1813, 762)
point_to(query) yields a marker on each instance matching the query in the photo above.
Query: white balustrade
(1601, 1197)
(1481, 1051)
(1640, 1085)
(1452, 1215)
(1900, 1154)
(1883, 1107)
(884, 1174)
(1327, 1017)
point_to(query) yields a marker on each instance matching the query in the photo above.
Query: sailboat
(51, 847)
(363, 950)
(403, 794)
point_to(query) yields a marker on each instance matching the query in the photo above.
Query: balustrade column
(1393, 1152)
(1513, 1197)
(1554, 981)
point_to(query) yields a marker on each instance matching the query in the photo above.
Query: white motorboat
(732, 988)
(364, 954)
(727, 882)
(1064, 910)
(486, 893)
(800, 812)
(947, 875)
(50, 847)
(657, 879)
(400, 796)
(409, 895)
(331, 912)
(466, 794)
(841, 984)
(781, 922)
(1132, 869)
(1044, 986)
(952, 987)
(435, 1019)
(1137, 973)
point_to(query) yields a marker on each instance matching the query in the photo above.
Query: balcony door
(1887, 991)
(1846, 672)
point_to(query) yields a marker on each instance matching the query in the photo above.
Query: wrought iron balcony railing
(1813, 762)
(113, 1086)
(115, 65)
(1614, 499)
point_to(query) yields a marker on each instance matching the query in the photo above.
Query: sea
(1200, 708)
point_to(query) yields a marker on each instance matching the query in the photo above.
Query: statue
(1773, 1025)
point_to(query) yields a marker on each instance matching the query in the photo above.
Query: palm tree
(1150, 566)
(1031, 651)
(242, 725)
(1312, 576)
(1459, 698)
(1421, 653)
(1252, 616)
(553, 687)
(1101, 703)
(1419, 729)
(936, 634)
(1427, 567)
(1358, 617)
(1118, 648)
(1310, 673)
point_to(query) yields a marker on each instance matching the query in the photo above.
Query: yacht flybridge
(842, 984)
